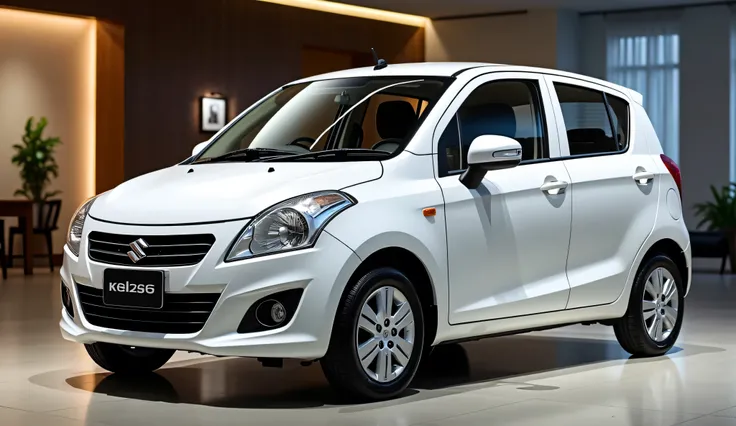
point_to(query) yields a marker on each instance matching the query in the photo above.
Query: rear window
(596, 123)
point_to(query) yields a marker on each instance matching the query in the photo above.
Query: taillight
(674, 171)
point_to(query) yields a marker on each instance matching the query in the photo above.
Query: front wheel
(127, 359)
(656, 306)
(377, 337)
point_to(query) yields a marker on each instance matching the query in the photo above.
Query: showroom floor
(572, 376)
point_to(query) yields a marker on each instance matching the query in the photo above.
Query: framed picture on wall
(212, 113)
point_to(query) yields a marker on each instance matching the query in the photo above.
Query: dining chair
(3, 263)
(47, 223)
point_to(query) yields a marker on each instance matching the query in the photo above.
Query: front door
(507, 240)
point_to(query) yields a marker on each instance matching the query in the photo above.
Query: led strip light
(356, 11)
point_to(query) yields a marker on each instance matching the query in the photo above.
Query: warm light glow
(91, 148)
(356, 11)
(48, 68)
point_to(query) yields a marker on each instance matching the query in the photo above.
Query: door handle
(643, 177)
(555, 187)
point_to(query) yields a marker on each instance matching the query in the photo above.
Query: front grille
(182, 313)
(162, 250)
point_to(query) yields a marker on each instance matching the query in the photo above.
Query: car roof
(451, 69)
(419, 69)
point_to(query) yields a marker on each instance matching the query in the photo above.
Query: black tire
(128, 360)
(341, 364)
(631, 330)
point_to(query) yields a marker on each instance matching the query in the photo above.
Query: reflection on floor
(571, 376)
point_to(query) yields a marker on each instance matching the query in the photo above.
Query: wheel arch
(411, 265)
(671, 249)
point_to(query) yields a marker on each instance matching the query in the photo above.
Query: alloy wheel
(660, 304)
(385, 334)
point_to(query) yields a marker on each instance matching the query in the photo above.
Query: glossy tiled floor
(572, 376)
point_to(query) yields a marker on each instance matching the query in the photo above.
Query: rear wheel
(377, 338)
(656, 306)
(128, 359)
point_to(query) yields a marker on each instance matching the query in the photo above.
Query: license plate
(133, 289)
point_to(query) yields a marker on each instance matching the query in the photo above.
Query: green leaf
(35, 157)
(721, 212)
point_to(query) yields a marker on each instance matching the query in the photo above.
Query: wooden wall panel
(110, 129)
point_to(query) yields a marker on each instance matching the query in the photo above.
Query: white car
(361, 217)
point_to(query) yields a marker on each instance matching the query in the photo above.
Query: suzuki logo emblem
(136, 253)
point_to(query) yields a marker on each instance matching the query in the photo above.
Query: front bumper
(321, 271)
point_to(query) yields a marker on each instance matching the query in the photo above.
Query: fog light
(270, 313)
(278, 313)
(273, 311)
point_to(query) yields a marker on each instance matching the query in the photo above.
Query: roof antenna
(380, 63)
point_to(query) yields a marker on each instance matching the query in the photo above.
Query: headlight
(74, 236)
(293, 224)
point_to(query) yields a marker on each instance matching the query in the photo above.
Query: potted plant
(720, 215)
(36, 158)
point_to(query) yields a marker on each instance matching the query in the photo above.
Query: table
(23, 210)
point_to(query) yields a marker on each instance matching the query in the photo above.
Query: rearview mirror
(489, 152)
(199, 147)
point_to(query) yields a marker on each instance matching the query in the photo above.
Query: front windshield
(366, 113)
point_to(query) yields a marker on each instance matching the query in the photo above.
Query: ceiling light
(356, 11)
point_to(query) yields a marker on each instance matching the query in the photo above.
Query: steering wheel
(304, 142)
(389, 145)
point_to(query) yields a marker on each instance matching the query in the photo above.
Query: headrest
(395, 119)
(489, 119)
(586, 135)
(590, 141)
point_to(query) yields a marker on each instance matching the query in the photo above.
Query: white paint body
(542, 244)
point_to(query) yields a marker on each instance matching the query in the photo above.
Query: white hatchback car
(361, 217)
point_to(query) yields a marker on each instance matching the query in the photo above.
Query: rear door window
(596, 123)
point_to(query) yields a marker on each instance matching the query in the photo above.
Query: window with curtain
(648, 61)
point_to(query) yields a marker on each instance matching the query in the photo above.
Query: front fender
(398, 221)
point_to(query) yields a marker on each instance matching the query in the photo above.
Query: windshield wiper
(247, 154)
(340, 154)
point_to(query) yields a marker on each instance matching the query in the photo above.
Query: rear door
(614, 205)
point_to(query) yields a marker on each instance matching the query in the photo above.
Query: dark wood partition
(110, 128)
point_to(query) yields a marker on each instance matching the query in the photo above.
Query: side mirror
(199, 147)
(489, 152)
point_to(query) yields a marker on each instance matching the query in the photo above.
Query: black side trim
(508, 333)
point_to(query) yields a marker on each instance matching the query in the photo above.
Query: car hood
(189, 194)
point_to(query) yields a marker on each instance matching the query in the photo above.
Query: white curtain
(645, 56)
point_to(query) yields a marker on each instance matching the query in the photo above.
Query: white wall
(47, 68)
(543, 38)
(519, 39)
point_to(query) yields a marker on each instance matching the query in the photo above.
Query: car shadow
(450, 369)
